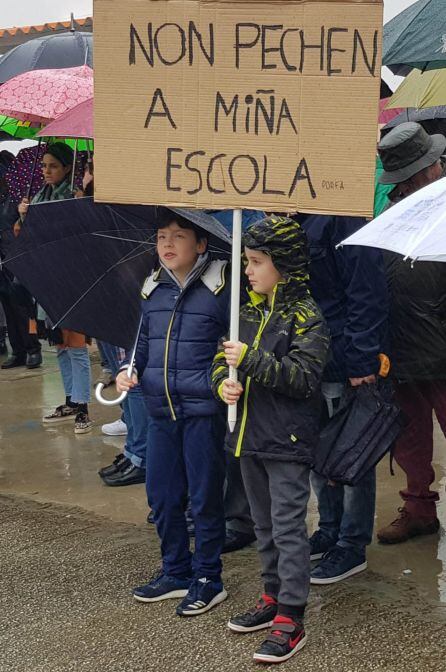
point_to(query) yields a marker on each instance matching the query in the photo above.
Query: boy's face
(262, 274)
(179, 248)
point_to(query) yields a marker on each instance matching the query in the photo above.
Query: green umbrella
(17, 129)
(416, 38)
(24, 130)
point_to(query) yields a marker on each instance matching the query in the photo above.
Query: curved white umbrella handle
(108, 402)
(122, 396)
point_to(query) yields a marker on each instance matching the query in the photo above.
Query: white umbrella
(415, 227)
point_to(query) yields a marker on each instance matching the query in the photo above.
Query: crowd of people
(316, 320)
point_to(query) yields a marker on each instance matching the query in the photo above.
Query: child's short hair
(167, 217)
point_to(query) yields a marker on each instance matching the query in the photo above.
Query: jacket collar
(283, 292)
(199, 267)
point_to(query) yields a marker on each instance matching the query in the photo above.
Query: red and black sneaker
(258, 618)
(286, 638)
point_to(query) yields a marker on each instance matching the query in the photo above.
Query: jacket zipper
(255, 346)
(166, 362)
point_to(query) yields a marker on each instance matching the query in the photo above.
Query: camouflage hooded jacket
(282, 365)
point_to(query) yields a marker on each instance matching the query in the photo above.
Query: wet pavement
(71, 548)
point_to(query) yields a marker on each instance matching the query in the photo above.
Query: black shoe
(235, 541)
(120, 462)
(286, 638)
(151, 518)
(34, 360)
(319, 545)
(258, 618)
(131, 475)
(13, 361)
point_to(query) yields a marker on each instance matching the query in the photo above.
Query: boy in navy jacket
(185, 311)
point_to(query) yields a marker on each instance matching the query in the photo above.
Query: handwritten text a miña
(338, 50)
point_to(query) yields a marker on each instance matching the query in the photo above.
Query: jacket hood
(286, 243)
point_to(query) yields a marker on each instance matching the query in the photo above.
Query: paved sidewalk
(65, 606)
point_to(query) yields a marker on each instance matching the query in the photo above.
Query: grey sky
(26, 12)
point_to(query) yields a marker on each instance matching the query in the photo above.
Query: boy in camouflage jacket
(280, 359)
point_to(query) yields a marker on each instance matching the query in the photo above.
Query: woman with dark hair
(72, 352)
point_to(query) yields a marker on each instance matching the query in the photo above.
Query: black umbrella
(359, 434)
(85, 262)
(66, 50)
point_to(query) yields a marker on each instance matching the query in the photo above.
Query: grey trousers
(237, 513)
(278, 494)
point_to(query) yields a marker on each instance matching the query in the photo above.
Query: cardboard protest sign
(237, 103)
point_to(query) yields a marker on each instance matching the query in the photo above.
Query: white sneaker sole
(221, 597)
(259, 658)
(242, 628)
(167, 596)
(341, 577)
(113, 433)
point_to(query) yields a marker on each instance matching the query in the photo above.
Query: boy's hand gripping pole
(235, 300)
(100, 386)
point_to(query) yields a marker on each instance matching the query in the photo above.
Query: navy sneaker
(286, 638)
(162, 587)
(338, 564)
(259, 617)
(203, 595)
(320, 544)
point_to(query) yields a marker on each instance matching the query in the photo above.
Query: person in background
(72, 352)
(349, 285)
(412, 159)
(17, 304)
(280, 360)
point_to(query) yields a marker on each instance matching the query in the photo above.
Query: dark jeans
(414, 448)
(134, 412)
(17, 320)
(187, 457)
(346, 513)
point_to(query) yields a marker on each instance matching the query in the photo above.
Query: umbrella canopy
(85, 263)
(412, 114)
(66, 50)
(75, 123)
(414, 227)
(17, 129)
(416, 38)
(25, 130)
(42, 95)
(386, 115)
(421, 90)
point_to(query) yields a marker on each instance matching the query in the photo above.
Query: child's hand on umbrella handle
(124, 383)
(23, 207)
(231, 391)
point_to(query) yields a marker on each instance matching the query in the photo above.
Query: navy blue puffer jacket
(178, 341)
(349, 284)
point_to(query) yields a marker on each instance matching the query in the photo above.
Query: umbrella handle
(108, 402)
